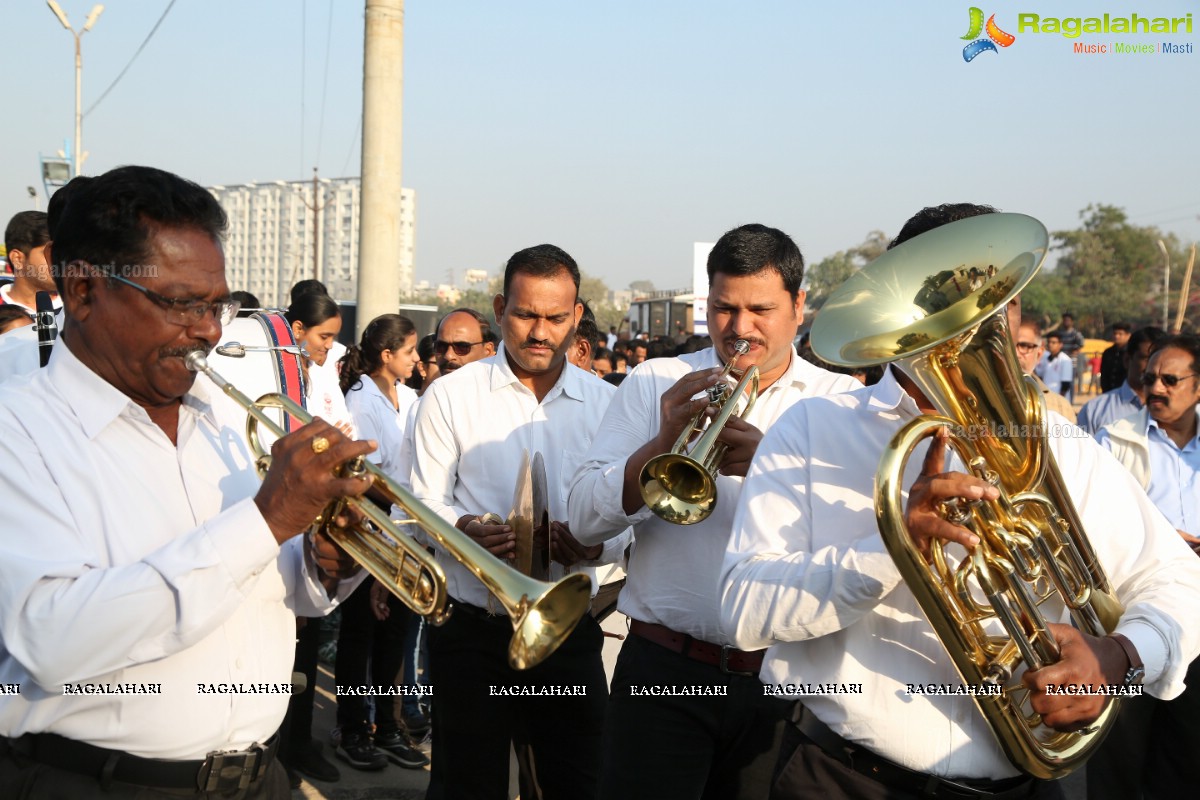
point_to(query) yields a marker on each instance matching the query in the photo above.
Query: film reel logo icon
(995, 36)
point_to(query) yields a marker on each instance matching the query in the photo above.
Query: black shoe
(399, 751)
(312, 763)
(417, 727)
(357, 751)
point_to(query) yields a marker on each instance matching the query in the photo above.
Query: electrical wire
(324, 83)
(137, 53)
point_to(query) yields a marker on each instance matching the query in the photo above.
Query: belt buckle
(725, 663)
(222, 768)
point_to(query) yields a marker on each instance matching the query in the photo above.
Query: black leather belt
(219, 772)
(892, 774)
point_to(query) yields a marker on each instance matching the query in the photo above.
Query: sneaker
(311, 762)
(357, 751)
(400, 751)
(425, 743)
(417, 727)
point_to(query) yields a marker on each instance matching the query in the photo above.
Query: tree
(641, 287)
(831, 272)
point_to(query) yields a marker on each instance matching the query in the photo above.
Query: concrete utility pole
(316, 207)
(379, 227)
(77, 156)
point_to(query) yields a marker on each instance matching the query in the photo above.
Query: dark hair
(694, 344)
(485, 328)
(425, 347)
(108, 220)
(586, 329)
(614, 377)
(540, 261)
(26, 231)
(249, 302)
(1186, 342)
(605, 353)
(312, 309)
(307, 286)
(1054, 335)
(750, 249)
(932, 217)
(1122, 326)
(12, 313)
(1150, 333)
(385, 332)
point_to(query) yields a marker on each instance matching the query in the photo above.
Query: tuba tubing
(934, 308)
(543, 614)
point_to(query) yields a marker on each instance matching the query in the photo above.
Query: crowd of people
(162, 591)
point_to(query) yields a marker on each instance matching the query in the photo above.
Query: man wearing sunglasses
(1028, 339)
(1151, 751)
(147, 609)
(463, 336)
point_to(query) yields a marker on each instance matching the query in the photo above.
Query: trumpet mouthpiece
(195, 361)
(741, 347)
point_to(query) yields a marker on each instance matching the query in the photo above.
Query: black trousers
(1153, 749)
(29, 780)
(473, 726)
(369, 653)
(687, 747)
(806, 772)
(296, 731)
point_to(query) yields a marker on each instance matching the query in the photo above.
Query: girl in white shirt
(373, 373)
(316, 322)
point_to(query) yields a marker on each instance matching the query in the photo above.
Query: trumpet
(543, 614)
(680, 486)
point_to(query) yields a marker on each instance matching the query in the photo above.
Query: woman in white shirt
(372, 374)
(316, 322)
(377, 631)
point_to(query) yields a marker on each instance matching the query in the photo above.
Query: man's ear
(489, 348)
(498, 306)
(78, 282)
(16, 260)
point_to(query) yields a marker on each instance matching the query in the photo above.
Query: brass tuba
(680, 486)
(935, 306)
(542, 614)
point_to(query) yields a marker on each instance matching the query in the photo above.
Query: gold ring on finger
(320, 444)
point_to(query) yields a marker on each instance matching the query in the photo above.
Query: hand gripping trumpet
(680, 486)
(935, 306)
(542, 614)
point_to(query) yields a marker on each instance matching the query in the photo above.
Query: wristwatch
(1137, 671)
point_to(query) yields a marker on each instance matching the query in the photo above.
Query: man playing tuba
(882, 710)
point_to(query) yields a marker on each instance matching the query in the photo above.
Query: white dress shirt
(325, 398)
(673, 569)
(473, 426)
(1055, 370)
(376, 418)
(127, 559)
(808, 574)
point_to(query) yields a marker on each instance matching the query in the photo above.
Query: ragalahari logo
(995, 36)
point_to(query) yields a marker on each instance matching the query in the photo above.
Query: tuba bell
(935, 307)
(680, 486)
(543, 614)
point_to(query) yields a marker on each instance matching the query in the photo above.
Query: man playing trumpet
(148, 580)
(720, 742)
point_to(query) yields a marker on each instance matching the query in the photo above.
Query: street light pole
(77, 156)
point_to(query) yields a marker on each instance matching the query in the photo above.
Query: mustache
(528, 343)
(753, 340)
(1152, 397)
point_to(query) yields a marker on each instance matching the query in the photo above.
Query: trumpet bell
(678, 488)
(546, 622)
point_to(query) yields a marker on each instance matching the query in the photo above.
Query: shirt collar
(96, 402)
(1126, 394)
(372, 389)
(570, 381)
(1152, 423)
(889, 395)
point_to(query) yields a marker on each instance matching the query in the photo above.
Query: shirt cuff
(1154, 652)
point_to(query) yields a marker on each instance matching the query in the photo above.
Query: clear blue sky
(625, 130)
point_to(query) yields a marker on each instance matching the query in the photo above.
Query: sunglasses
(1025, 347)
(1169, 381)
(460, 348)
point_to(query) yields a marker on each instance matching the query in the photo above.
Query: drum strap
(287, 365)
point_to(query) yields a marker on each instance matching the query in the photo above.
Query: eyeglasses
(1170, 381)
(186, 312)
(460, 348)
(1025, 347)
